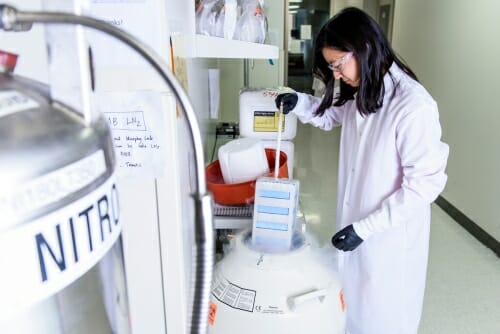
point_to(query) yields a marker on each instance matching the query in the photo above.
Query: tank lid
(7, 61)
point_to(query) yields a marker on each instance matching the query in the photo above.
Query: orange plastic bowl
(244, 192)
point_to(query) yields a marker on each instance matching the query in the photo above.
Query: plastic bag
(252, 24)
(231, 17)
(210, 18)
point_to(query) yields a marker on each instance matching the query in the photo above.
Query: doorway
(305, 19)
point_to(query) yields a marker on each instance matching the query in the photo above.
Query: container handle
(295, 301)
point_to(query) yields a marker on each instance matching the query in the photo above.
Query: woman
(391, 168)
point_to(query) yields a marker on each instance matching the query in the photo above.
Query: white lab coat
(391, 168)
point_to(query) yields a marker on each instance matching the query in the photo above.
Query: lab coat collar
(392, 77)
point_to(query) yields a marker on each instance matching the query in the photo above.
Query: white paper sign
(136, 122)
(214, 92)
(305, 32)
(128, 15)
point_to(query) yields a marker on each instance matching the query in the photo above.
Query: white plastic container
(295, 292)
(243, 160)
(259, 116)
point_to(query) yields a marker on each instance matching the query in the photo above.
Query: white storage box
(274, 214)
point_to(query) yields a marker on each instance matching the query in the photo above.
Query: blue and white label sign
(41, 257)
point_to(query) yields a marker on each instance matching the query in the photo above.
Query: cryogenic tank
(60, 251)
(292, 292)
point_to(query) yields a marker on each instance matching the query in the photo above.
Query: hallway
(463, 281)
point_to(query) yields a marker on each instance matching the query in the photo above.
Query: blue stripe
(274, 194)
(271, 225)
(275, 210)
(270, 241)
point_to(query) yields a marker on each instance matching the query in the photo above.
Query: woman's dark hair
(352, 30)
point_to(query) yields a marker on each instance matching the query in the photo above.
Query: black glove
(346, 239)
(289, 101)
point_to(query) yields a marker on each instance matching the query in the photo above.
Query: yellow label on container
(267, 121)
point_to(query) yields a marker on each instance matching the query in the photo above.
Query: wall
(370, 6)
(30, 46)
(337, 5)
(454, 48)
(230, 68)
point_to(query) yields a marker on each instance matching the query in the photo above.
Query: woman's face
(344, 65)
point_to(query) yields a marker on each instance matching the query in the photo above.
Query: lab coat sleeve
(423, 161)
(306, 108)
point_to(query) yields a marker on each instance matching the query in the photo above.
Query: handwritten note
(132, 120)
(129, 16)
(136, 122)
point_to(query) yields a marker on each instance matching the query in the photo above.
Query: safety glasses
(340, 63)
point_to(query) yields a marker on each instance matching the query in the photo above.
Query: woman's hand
(289, 101)
(346, 239)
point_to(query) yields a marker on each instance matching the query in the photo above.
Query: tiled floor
(463, 282)
(463, 285)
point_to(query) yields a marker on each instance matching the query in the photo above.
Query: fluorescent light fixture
(290, 1)
(293, 7)
(292, 12)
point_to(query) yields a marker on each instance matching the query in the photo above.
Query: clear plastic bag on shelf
(252, 24)
(210, 18)
(231, 17)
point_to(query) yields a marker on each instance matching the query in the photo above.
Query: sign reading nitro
(41, 257)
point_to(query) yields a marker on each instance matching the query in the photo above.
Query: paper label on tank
(50, 188)
(233, 295)
(12, 101)
(41, 257)
(267, 121)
